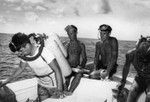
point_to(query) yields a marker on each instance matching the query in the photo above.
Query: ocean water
(9, 62)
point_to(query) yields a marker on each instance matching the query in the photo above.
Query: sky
(128, 18)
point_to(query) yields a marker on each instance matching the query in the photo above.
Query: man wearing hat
(76, 57)
(106, 52)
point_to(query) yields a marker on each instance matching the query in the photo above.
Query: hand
(79, 67)
(95, 74)
(103, 74)
(121, 85)
(61, 95)
(67, 93)
(58, 94)
(76, 69)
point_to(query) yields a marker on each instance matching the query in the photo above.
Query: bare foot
(67, 93)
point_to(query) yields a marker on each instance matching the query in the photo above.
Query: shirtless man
(139, 57)
(106, 53)
(76, 57)
(33, 51)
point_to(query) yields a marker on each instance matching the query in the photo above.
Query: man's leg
(113, 71)
(99, 65)
(42, 93)
(67, 82)
(75, 82)
(135, 92)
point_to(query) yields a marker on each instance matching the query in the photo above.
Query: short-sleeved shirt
(40, 67)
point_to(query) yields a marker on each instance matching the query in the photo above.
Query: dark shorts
(140, 85)
(113, 70)
(144, 83)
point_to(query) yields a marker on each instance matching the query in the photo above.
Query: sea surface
(9, 62)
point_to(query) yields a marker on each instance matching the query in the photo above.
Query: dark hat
(71, 26)
(105, 27)
(17, 40)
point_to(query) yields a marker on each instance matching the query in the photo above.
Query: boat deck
(89, 90)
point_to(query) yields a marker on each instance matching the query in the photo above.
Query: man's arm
(97, 54)
(126, 67)
(128, 61)
(17, 72)
(65, 45)
(83, 56)
(113, 56)
(58, 74)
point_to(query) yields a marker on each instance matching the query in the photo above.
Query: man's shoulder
(98, 43)
(132, 51)
(113, 38)
(113, 41)
(130, 54)
(81, 43)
